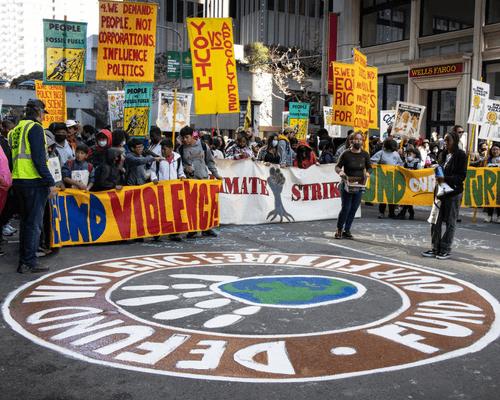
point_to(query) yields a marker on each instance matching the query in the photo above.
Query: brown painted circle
(465, 309)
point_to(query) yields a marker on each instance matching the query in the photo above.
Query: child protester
(412, 162)
(79, 173)
(108, 175)
(97, 154)
(170, 167)
(135, 163)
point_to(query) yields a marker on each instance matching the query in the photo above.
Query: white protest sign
(480, 94)
(490, 129)
(333, 130)
(387, 118)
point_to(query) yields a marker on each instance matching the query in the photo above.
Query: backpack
(71, 164)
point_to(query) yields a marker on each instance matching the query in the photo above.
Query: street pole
(180, 48)
(324, 64)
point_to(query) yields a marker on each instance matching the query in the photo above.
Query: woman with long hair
(453, 162)
(271, 153)
(305, 156)
(354, 162)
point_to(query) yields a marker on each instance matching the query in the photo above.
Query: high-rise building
(21, 29)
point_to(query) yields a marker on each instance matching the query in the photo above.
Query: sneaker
(40, 253)
(443, 256)
(400, 216)
(381, 216)
(10, 228)
(210, 232)
(191, 235)
(338, 234)
(347, 235)
(2, 252)
(487, 219)
(411, 217)
(175, 238)
(392, 216)
(6, 231)
(26, 269)
(494, 219)
(429, 253)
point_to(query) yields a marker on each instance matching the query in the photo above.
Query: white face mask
(275, 143)
(409, 158)
(102, 143)
(123, 143)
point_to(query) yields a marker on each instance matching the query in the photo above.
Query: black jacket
(455, 171)
(108, 175)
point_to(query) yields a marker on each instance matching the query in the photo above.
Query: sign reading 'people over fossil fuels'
(127, 40)
(254, 317)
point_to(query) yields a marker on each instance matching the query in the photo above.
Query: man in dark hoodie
(97, 153)
(32, 182)
(108, 176)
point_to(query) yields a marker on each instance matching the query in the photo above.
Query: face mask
(102, 143)
(409, 158)
(357, 146)
(123, 143)
(483, 149)
(60, 138)
(275, 143)
(435, 151)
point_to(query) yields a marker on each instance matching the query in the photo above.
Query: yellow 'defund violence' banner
(214, 68)
(396, 185)
(135, 211)
(54, 97)
(127, 40)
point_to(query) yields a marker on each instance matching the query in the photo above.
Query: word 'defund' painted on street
(254, 316)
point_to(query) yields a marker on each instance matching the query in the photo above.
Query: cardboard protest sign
(127, 40)
(365, 94)
(137, 111)
(166, 111)
(333, 130)
(116, 104)
(299, 117)
(490, 129)
(214, 67)
(480, 94)
(387, 118)
(408, 120)
(135, 211)
(65, 45)
(54, 97)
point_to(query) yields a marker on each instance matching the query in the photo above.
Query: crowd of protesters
(83, 158)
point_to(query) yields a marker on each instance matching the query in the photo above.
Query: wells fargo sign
(439, 70)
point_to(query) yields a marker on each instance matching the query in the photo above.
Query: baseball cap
(36, 103)
(71, 122)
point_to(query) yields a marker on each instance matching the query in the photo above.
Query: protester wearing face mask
(412, 162)
(271, 153)
(433, 156)
(478, 158)
(387, 156)
(97, 154)
(155, 142)
(64, 149)
(353, 163)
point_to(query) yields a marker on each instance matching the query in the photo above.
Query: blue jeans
(31, 204)
(350, 204)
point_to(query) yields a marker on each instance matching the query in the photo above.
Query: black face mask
(357, 146)
(60, 138)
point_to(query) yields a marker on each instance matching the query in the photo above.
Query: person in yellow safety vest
(32, 182)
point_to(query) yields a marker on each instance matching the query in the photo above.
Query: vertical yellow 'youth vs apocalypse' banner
(127, 40)
(54, 97)
(214, 68)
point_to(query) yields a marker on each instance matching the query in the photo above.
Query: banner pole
(173, 120)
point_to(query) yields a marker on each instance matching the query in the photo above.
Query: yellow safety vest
(23, 167)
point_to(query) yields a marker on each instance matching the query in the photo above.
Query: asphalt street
(35, 366)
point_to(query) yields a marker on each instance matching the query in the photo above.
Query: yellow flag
(248, 115)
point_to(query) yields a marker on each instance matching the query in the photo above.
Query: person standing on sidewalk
(32, 182)
(453, 161)
(196, 158)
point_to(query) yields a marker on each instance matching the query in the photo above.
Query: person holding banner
(353, 163)
(271, 153)
(492, 162)
(453, 163)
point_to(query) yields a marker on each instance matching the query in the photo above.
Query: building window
(270, 5)
(190, 9)
(492, 11)
(281, 5)
(312, 8)
(180, 11)
(232, 9)
(438, 17)
(384, 21)
(291, 6)
(302, 7)
(169, 11)
(493, 78)
(199, 12)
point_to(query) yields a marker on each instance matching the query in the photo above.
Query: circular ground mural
(254, 317)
